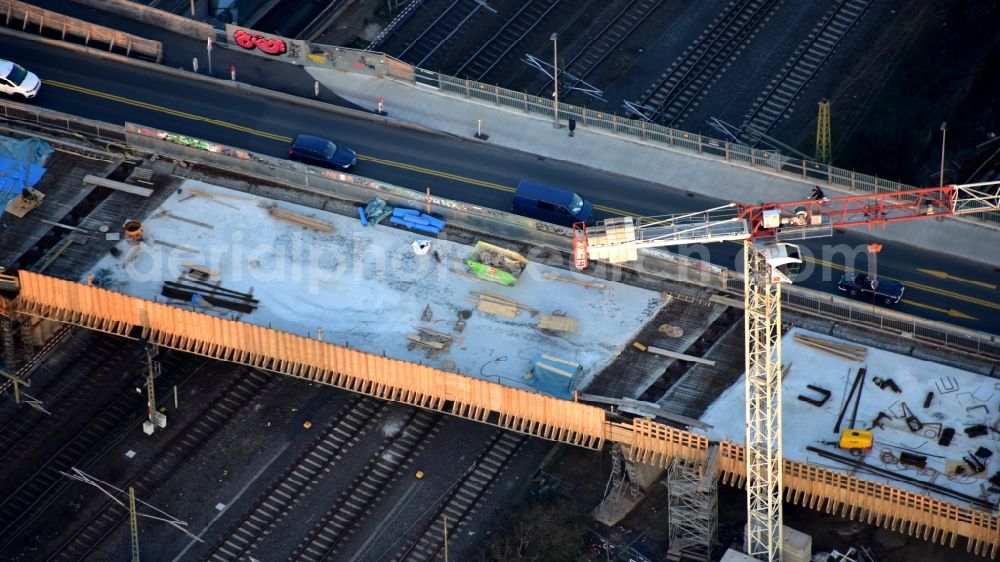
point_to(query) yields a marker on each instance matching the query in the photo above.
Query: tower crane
(768, 231)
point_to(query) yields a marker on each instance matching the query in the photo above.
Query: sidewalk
(676, 169)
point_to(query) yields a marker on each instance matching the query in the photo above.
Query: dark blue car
(322, 152)
(884, 290)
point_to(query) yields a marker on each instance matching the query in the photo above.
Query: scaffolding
(693, 507)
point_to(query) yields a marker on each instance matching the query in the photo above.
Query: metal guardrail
(13, 112)
(657, 263)
(40, 20)
(730, 153)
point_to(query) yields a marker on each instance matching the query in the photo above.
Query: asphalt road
(939, 287)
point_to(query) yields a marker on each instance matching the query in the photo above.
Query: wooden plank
(496, 309)
(200, 269)
(301, 220)
(177, 246)
(681, 356)
(117, 185)
(415, 338)
(557, 323)
(589, 284)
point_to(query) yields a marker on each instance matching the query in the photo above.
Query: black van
(551, 204)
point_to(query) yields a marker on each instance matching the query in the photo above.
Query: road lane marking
(946, 275)
(167, 110)
(950, 311)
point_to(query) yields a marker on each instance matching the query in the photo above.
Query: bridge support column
(9, 356)
(626, 487)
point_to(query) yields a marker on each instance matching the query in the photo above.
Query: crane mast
(764, 229)
(762, 338)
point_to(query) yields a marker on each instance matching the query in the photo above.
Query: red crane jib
(857, 210)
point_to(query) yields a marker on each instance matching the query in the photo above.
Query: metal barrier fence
(39, 19)
(327, 183)
(655, 263)
(13, 112)
(730, 153)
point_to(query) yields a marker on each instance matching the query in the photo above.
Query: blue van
(551, 204)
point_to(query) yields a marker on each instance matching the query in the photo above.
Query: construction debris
(301, 220)
(23, 204)
(582, 283)
(415, 220)
(946, 385)
(824, 396)
(977, 430)
(427, 315)
(503, 302)
(675, 355)
(557, 323)
(496, 264)
(847, 351)
(887, 383)
(433, 341)
(177, 246)
(201, 293)
(374, 212)
(670, 331)
(946, 436)
(182, 219)
(199, 272)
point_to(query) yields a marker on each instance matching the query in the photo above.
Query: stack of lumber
(433, 341)
(301, 220)
(198, 272)
(212, 295)
(557, 323)
(498, 305)
(581, 282)
(847, 351)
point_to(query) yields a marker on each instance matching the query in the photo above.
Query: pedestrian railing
(728, 152)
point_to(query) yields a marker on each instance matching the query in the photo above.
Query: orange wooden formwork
(290, 354)
(526, 412)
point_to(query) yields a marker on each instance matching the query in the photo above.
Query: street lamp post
(944, 134)
(555, 79)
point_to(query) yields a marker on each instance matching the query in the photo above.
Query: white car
(15, 80)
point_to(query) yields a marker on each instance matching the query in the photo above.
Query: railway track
(808, 58)
(89, 444)
(353, 506)
(342, 433)
(599, 48)
(489, 55)
(299, 19)
(62, 392)
(247, 385)
(460, 503)
(678, 90)
(440, 31)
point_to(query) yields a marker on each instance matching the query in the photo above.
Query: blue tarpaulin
(20, 166)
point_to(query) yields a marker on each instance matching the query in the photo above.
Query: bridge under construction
(41, 303)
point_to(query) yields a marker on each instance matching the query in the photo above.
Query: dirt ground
(936, 62)
(361, 22)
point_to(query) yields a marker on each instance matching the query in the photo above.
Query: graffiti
(249, 41)
(552, 229)
(190, 141)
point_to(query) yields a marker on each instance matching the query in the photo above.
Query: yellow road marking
(167, 110)
(429, 171)
(946, 275)
(917, 286)
(950, 311)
